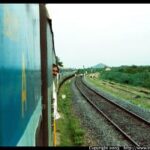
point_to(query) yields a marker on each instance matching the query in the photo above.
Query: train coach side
(26, 57)
(48, 58)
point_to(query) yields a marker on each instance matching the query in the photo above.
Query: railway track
(111, 85)
(133, 127)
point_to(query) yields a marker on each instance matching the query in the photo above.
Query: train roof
(51, 28)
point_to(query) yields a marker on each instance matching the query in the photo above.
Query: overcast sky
(113, 34)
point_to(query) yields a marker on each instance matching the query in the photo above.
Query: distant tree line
(90, 70)
(58, 62)
(134, 75)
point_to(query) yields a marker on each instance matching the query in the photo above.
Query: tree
(58, 62)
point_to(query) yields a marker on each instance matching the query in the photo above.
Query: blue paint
(25, 40)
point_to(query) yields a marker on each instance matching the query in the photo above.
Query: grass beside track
(116, 90)
(68, 126)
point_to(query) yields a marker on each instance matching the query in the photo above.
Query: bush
(138, 76)
(77, 132)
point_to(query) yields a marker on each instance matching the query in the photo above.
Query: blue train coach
(26, 57)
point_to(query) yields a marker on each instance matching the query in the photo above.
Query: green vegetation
(68, 126)
(129, 93)
(132, 75)
(90, 70)
(58, 62)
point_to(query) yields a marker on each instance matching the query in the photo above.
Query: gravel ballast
(129, 106)
(98, 131)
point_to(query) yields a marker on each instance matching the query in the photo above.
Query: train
(27, 54)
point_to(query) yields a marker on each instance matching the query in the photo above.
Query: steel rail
(114, 103)
(125, 90)
(114, 124)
